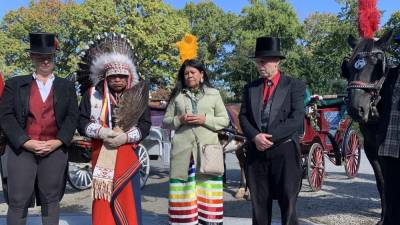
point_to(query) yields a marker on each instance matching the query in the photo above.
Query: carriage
(328, 132)
(157, 144)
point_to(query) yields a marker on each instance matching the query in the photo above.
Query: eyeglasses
(42, 57)
(115, 76)
(265, 60)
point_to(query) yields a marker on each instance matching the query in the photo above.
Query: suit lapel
(256, 95)
(58, 91)
(279, 97)
(25, 89)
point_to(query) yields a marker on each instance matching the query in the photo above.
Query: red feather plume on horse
(1, 84)
(368, 18)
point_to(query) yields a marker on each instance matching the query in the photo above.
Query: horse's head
(365, 72)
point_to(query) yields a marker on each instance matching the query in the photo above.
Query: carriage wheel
(144, 159)
(352, 154)
(316, 166)
(80, 175)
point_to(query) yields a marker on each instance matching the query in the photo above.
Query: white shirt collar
(51, 76)
(44, 89)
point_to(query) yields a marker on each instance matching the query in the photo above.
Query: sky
(302, 7)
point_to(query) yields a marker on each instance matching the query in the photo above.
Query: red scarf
(124, 207)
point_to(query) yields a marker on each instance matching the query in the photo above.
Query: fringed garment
(196, 201)
(125, 205)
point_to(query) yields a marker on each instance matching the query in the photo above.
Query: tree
(154, 29)
(319, 54)
(261, 18)
(214, 29)
(323, 48)
(152, 26)
(393, 24)
(39, 16)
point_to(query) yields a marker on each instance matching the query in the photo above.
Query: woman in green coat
(195, 112)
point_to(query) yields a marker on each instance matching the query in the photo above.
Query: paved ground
(73, 219)
(341, 201)
(148, 220)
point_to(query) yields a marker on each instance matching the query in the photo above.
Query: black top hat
(268, 47)
(43, 43)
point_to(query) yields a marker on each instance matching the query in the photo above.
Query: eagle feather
(131, 106)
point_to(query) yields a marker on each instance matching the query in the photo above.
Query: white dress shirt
(44, 88)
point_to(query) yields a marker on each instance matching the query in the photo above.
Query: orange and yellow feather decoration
(187, 47)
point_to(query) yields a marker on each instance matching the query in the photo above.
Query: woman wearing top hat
(271, 116)
(38, 114)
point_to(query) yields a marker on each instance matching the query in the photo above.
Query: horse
(233, 140)
(366, 71)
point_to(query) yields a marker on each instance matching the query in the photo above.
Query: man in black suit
(271, 116)
(38, 114)
(388, 138)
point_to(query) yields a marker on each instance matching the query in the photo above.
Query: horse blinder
(345, 69)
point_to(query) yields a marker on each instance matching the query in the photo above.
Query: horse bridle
(374, 88)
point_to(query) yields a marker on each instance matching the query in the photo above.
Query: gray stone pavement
(148, 220)
(342, 201)
(75, 206)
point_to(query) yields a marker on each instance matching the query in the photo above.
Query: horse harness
(372, 88)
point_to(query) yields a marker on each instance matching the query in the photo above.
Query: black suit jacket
(14, 110)
(286, 115)
(385, 104)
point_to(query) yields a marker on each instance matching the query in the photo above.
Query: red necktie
(267, 90)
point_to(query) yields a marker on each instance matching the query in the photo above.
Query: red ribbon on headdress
(368, 18)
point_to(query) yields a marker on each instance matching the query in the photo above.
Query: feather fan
(368, 18)
(131, 106)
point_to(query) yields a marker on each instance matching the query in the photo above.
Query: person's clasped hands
(193, 119)
(42, 148)
(111, 138)
(263, 141)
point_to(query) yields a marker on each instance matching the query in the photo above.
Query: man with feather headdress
(115, 114)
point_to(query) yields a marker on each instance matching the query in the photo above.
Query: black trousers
(275, 174)
(391, 176)
(27, 172)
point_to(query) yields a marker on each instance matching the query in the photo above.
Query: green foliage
(314, 48)
(261, 18)
(152, 26)
(214, 29)
(154, 29)
(394, 24)
(323, 48)
(39, 16)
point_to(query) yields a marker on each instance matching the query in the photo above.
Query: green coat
(184, 142)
